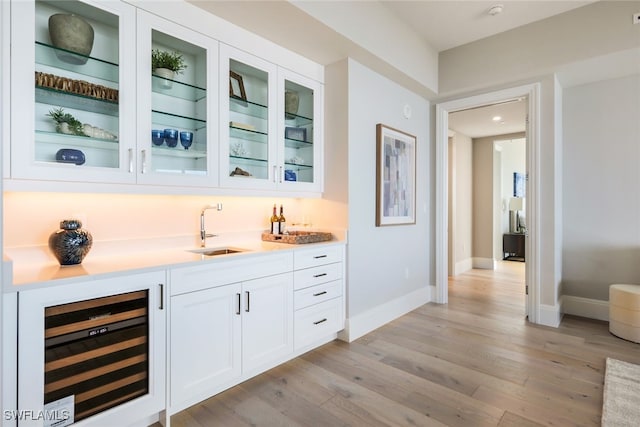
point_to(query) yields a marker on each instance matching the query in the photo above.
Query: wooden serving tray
(297, 237)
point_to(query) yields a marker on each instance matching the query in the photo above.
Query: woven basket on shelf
(79, 87)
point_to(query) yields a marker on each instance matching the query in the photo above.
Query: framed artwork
(519, 182)
(299, 134)
(395, 177)
(236, 86)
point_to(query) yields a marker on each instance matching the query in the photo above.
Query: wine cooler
(96, 353)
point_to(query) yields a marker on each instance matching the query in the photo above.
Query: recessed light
(496, 118)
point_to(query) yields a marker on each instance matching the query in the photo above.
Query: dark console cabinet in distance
(513, 246)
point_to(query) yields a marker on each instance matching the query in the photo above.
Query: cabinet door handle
(280, 175)
(275, 169)
(319, 256)
(130, 160)
(161, 286)
(320, 275)
(144, 161)
(239, 302)
(320, 321)
(319, 293)
(248, 302)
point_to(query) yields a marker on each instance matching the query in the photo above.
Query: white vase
(167, 77)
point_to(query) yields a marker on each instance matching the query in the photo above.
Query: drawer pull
(320, 275)
(319, 293)
(319, 256)
(320, 321)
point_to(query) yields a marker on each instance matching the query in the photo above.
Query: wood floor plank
(475, 361)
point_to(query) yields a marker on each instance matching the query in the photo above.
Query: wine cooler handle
(130, 160)
(239, 303)
(248, 302)
(161, 286)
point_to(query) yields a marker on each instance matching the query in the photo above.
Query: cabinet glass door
(173, 94)
(247, 120)
(79, 98)
(300, 152)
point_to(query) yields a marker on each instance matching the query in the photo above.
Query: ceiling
(443, 24)
(447, 24)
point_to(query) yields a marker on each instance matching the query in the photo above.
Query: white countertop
(35, 266)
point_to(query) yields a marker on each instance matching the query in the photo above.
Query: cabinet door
(77, 122)
(247, 120)
(267, 322)
(176, 124)
(300, 138)
(205, 344)
(87, 352)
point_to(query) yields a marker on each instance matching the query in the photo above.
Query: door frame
(532, 269)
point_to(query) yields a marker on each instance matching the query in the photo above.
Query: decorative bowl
(157, 137)
(186, 139)
(171, 137)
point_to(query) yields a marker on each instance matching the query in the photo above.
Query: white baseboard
(586, 307)
(463, 266)
(550, 315)
(362, 324)
(484, 263)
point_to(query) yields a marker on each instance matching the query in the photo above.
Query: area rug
(621, 401)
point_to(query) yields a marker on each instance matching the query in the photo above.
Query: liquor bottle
(275, 222)
(282, 221)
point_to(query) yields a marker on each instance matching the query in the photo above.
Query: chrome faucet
(203, 233)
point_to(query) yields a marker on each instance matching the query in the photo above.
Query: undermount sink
(217, 251)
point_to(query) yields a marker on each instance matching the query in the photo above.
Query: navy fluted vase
(71, 243)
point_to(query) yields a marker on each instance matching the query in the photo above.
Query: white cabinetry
(99, 344)
(185, 104)
(318, 296)
(229, 321)
(270, 125)
(97, 89)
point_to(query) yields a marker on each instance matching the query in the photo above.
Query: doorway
(532, 95)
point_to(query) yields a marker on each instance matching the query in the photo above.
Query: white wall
(385, 264)
(601, 162)
(461, 196)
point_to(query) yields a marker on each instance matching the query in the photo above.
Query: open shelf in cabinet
(94, 67)
(76, 102)
(248, 108)
(178, 121)
(178, 89)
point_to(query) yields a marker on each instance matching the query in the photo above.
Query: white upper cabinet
(177, 112)
(270, 125)
(77, 122)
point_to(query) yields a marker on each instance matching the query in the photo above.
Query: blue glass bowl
(186, 139)
(171, 137)
(157, 137)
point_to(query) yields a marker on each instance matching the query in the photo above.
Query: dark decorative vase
(70, 244)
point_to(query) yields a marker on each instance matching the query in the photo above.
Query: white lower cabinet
(221, 333)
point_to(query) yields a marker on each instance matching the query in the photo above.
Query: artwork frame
(298, 134)
(395, 177)
(236, 86)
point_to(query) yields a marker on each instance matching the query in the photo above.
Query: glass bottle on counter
(281, 221)
(275, 222)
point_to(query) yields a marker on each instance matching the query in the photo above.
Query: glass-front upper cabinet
(73, 91)
(177, 83)
(300, 133)
(248, 120)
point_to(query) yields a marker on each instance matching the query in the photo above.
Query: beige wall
(461, 197)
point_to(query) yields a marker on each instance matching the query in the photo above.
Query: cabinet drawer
(317, 294)
(318, 321)
(305, 258)
(316, 275)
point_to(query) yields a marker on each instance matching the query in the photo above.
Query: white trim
(484, 263)
(532, 92)
(585, 307)
(362, 324)
(550, 315)
(463, 266)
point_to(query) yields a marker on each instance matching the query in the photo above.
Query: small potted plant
(167, 65)
(66, 123)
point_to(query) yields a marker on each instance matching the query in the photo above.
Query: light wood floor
(473, 362)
